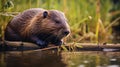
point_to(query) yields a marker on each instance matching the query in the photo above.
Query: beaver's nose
(66, 32)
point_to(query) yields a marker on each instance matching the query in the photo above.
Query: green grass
(82, 16)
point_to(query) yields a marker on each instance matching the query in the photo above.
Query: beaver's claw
(58, 43)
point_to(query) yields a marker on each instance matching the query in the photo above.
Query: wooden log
(69, 46)
(98, 47)
(19, 43)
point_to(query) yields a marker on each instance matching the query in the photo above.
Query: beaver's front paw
(41, 43)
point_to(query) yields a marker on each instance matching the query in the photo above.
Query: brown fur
(31, 22)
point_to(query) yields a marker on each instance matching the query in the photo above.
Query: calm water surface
(59, 59)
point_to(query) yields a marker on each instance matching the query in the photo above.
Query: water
(59, 59)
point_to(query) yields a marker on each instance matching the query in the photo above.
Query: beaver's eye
(57, 22)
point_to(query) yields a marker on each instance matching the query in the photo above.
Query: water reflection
(2, 60)
(31, 59)
(62, 59)
(91, 59)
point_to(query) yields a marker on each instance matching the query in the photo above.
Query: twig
(111, 24)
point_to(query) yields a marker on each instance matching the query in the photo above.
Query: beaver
(39, 26)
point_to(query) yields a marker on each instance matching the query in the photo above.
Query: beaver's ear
(45, 14)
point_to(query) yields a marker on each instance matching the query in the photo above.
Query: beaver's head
(54, 22)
